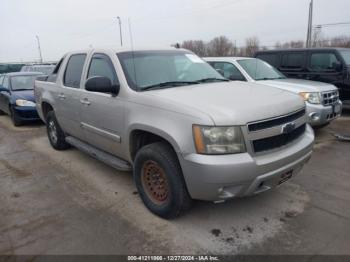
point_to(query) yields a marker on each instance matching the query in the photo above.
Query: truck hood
(298, 85)
(23, 94)
(232, 103)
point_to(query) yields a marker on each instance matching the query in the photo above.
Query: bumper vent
(273, 142)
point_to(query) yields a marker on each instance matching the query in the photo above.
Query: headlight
(21, 102)
(312, 98)
(218, 140)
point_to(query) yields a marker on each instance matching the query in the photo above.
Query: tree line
(223, 46)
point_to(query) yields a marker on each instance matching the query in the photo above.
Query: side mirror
(101, 84)
(337, 66)
(3, 89)
(42, 78)
(237, 78)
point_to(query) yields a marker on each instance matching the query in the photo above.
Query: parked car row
(184, 130)
(189, 128)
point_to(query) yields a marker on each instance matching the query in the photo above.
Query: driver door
(102, 113)
(4, 96)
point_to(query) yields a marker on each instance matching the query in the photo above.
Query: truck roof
(23, 73)
(120, 50)
(303, 49)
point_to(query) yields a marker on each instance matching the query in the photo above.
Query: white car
(322, 100)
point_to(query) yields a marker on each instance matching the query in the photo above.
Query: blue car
(17, 96)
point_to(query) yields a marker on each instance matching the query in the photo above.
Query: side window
(272, 59)
(74, 70)
(229, 70)
(292, 61)
(1, 79)
(6, 82)
(323, 61)
(53, 76)
(101, 65)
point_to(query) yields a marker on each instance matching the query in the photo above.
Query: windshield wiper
(212, 79)
(169, 84)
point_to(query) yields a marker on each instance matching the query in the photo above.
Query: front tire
(55, 133)
(159, 180)
(15, 118)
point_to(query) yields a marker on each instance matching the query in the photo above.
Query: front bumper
(215, 178)
(319, 114)
(26, 113)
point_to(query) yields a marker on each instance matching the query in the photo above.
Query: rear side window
(323, 61)
(74, 70)
(101, 65)
(272, 59)
(292, 61)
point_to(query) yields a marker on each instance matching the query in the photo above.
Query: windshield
(164, 69)
(260, 70)
(346, 56)
(23, 82)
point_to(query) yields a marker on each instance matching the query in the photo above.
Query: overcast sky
(65, 25)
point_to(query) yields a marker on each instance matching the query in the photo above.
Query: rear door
(102, 113)
(322, 66)
(5, 95)
(68, 104)
(293, 64)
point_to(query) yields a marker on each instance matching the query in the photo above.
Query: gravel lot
(68, 203)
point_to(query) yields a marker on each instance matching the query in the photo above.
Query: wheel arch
(140, 136)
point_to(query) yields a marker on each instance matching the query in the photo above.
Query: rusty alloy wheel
(155, 182)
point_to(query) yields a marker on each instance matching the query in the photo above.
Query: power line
(332, 24)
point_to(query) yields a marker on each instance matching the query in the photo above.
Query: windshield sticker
(194, 58)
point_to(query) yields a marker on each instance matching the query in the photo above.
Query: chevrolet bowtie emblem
(287, 128)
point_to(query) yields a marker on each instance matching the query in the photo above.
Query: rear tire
(55, 133)
(159, 181)
(2, 113)
(15, 118)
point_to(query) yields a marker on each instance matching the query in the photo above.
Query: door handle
(62, 96)
(85, 101)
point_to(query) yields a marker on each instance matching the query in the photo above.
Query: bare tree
(340, 41)
(196, 46)
(317, 39)
(278, 45)
(252, 46)
(297, 44)
(220, 46)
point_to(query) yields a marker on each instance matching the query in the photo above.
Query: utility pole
(41, 57)
(309, 26)
(120, 30)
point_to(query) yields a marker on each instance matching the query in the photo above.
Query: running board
(107, 158)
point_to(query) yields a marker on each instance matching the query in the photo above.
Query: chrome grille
(275, 121)
(330, 98)
(278, 141)
(270, 134)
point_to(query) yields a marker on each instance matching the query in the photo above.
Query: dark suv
(330, 65)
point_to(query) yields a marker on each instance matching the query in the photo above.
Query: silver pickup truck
(185, 131)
